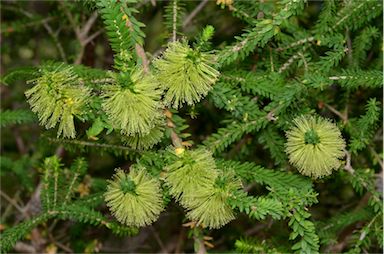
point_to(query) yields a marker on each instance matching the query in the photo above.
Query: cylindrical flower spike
(57, 98)
(208, 206)
(314, 146)
(135, 199)
(193, 169)
(187, 74)
(134, 108)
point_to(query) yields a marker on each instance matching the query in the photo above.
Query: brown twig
(19, 141)
(249, 187)
(304, 61)
(297, 43)
(13, 202)
(198, 8)
(24, 248)
(271, 115)
(56, 40)
(170, 246)
(255, 229)
(292, 59)
(174, 21)
(157, 238)
(9, 207)
(139, 49)
(42, 21)
(180, 240)
(82, 32)
(348, 165)
(176, 140)
(92, 36)
(271, 60)
(336, 112)
(59, 244)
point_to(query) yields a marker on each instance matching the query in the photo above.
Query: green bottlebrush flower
(185, 73)
(208, 206)
(135, 199)
(314, 146)
(133, 105)
(146, 141)
(193, 169)
(56, 99)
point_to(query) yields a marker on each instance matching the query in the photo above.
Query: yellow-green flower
(135, 199)
(56, 98)
(314, 146)
(134, 108)
(146, 141)
(208, 206)
(187, 74)
(191, 170)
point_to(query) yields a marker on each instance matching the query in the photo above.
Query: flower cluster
(133, 104)
(135, 199)
(191, 169)
(132, 101)
(314, 146)
(201, 188)
(185, 73)
(208, 206)
(57, 98)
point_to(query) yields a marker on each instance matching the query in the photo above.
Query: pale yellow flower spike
(193, 169)
(57, 99)
(208, 206)
(135, 199)
(314, 146)
(186, 74)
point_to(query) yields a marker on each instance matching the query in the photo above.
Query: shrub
(254, 126)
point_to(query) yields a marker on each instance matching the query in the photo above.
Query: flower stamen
(311, 137)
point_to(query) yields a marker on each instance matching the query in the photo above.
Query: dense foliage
(181, 126)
